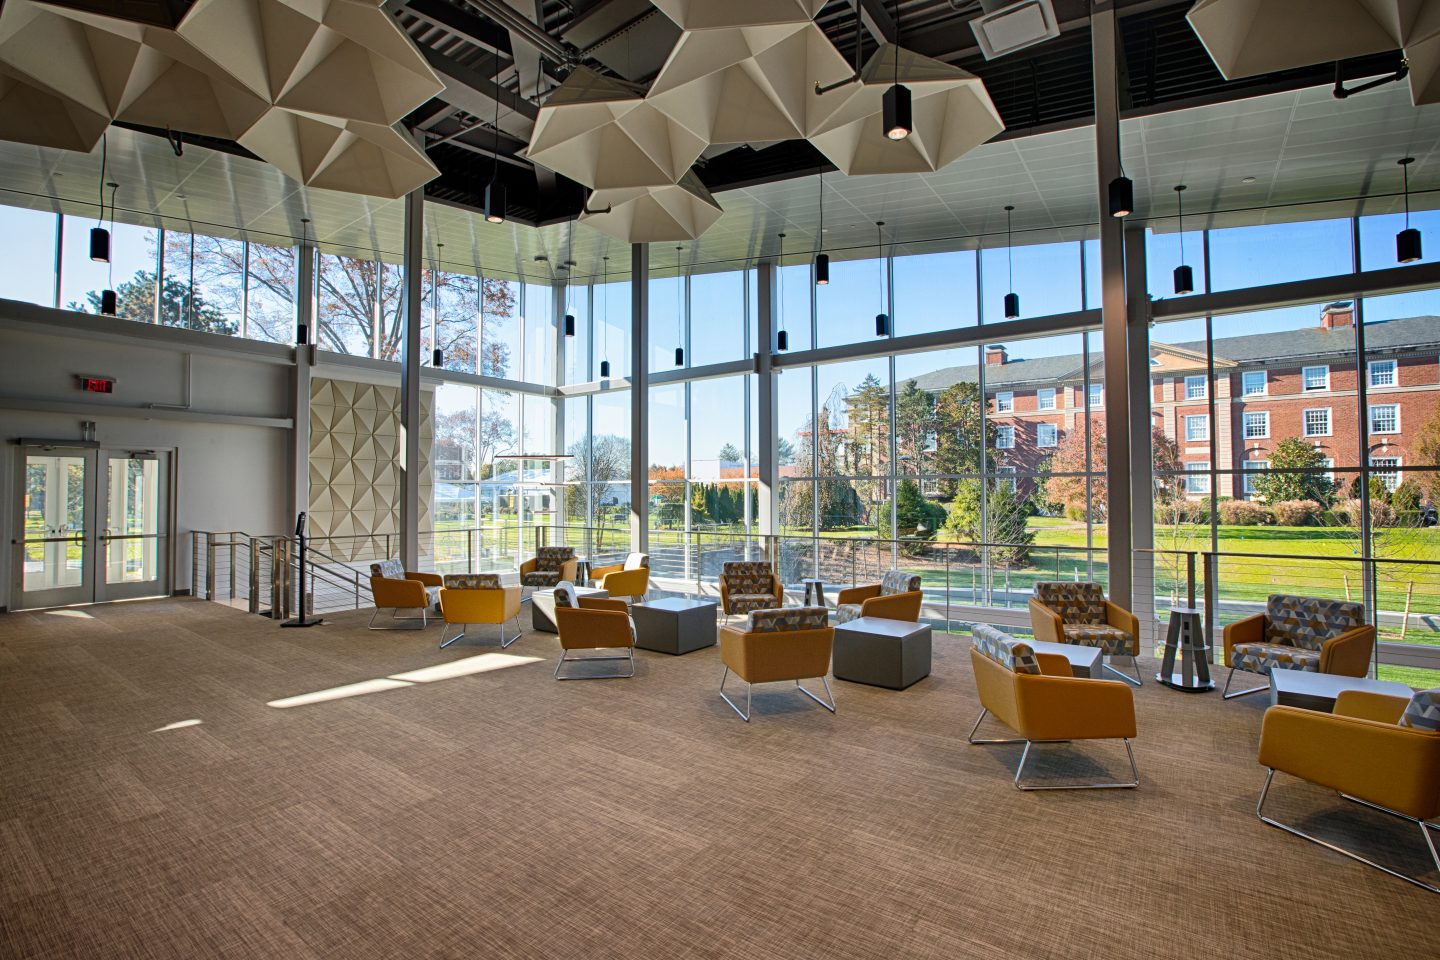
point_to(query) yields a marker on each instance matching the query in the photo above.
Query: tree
(1427, 454)
(135, 300)
(1065, 486)
(916, 517)
(821, 439)
(914, 426)
(958, 437)
(1277, 485)
(729, 454)
(601, 463)
(1005, 524)
(784, 452)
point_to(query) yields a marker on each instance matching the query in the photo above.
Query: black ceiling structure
(511, 53)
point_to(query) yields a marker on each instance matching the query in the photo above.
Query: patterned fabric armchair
(1036, 696)
(747, 585)
(395, 588)
(468, 598)
(896, 597)
(548, 567)
(1078, 613)
(592, 623)
(1299, 633)
(777, 645)
(1380, 750)
(629, 579)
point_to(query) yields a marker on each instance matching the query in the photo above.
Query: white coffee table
(1318, 691)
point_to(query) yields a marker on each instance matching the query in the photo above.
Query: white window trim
(1040, 398)
(1054, 433)
(1005, 437)
(1005, 401)
(1395, 471)
(1264, 383)
(1246, 479)
(1007, 475)
(1203, 417)
(1200, 470)
(1204, 393)
(1245, 429)
(1329, 464)
(1305, 422)
(1394, 368)
(1305, 386)
(1097, 403)
(1385, 433)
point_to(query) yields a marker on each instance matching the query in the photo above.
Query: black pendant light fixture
(437, 356)
(495, 190)
(99, 236)
(1012, 299)
(822, 259)
(1122, 188)
(895, 105)
(605, 321)
(1407, 242)
(569, 278)
(1184, 276)
(302, 330)
(882, 319)
(679, 311)
(782, 338)
(108, 301)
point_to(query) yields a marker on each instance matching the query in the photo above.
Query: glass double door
(94, 525)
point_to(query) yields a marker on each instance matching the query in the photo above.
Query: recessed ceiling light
(1248, 180)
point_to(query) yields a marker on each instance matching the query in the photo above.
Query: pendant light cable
(104, 164)
(1180, 215)
(1010, 246)
(1404, 169)
(110, 264)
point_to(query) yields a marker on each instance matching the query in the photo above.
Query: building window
(1197, 477)
(1316, 423)
(1197, 428)
(1005, 478)
(1386, 470)
(1046, 435)
(1195, 388)
(1097, 396)
(1045, 398)
(1385, 418)
(1315, 378)
(1250, 478)
(1253, 383)
(1382, 373)
(1005, 438)
(1329, 464)
(1257, 424)
(1005, 402)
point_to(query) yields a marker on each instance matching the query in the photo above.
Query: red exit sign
(96, 384)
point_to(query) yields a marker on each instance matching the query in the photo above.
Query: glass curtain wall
(1301, 444)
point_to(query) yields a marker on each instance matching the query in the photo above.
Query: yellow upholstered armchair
(777, 645)
(1383, 752)
(1078, 613)
(548, 567)
(395, 588)
(592, 623)
(1036, 696)
(629, 579)
(468, 598)
(1299, 633)
(896, 597)
(747, 585)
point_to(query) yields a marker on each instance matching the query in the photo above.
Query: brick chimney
(996, 355)
(1338, 314)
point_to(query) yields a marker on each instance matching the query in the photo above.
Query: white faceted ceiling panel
(952, 115)
(602, 133)
(714, 14)
(750, 84)
(672, 213)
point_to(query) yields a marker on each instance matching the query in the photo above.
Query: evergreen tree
(915, 423)
(957, 433)
(135, 300)
(1277, 485)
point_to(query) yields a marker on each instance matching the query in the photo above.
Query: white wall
(232, 443)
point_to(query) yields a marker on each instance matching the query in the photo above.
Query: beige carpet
(484, 810)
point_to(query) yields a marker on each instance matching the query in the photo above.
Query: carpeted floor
(164, 796)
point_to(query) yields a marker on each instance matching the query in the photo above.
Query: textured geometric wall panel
(313, 86)
(953, 114)
(355, 466)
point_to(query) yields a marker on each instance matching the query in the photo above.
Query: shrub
(1244, 513)
(1296, 513)
(1407, 497)
(1381, 513)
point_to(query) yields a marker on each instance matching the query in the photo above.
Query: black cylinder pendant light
(605, 321)
(99, 236)
(107, 302)
(1408, 248)
(822, 259)
(782, 339)
(882, 319)
(1012, 299)
(495, 190)
(1184, 276)
(679, 312)
(302, 330)
(569, 327)
(1122, 197)
(895, 106)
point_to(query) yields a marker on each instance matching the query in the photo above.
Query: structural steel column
(1112, 289)
(768, 468)
(304, 365)
(410, 411)
(639, 398)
